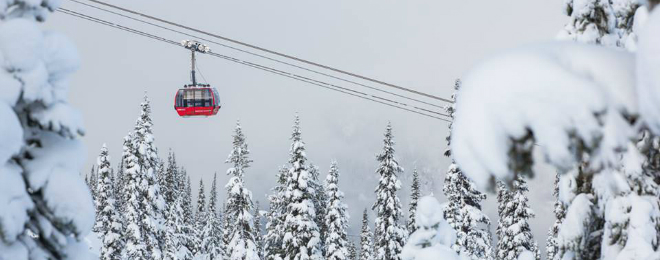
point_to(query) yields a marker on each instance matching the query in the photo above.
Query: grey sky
(423, 45)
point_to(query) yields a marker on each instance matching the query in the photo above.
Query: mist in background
(423, 45)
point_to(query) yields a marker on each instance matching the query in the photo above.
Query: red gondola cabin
(200, 100)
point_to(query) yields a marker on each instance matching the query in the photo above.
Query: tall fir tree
(179, 233)
(93, 181)
(153, 204)
(352, 251)
(258, 226)
(301, 234)
(560, 213)
(414, 198)
(108, 221)
(366, 239)
(171, 177)
(275, 218)
(463, 208)
(211, 242)
(242, 243)
(133, 233)
(390, 233)
(200, 219)
(320, 203)
(336, 218)
(514, 233)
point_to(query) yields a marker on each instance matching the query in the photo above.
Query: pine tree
(187, 203)
(211, 242)
(463, 208)
(92, 182)
(171, 179)
(275, 218)
(178, 233)
(258, 225)
(200, 219)
(153, 204)
(242, 245)
(390, 234)
(515, 235)
(320, 200)
(226, 229)
(352, 251)
(414, 198)
(301, 234)
(366, 242)
(560, 213)
(108, 223)
(133, 232)
(336, 220)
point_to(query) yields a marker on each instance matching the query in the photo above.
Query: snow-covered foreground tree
(46, 207)
(434, 237)
(390, 234)
(241, 232)
(336, 219)
(301, 239)
(596, 102)
(606, 22)
(108, 219)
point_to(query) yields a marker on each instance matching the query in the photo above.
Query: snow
(559, 87)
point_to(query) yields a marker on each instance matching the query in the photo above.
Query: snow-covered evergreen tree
(352, 251)
(211, 240)
(515, 235)
(92, 182)
(275, 219)
(200, 219)
(301, 234)
(560, 214)
(591, 21)
(133, 233)
(242, 245)
(390, 233)
(336, 218)
(171, 187)
(153, 204)
(258, 225)
(320, 200)
(366, 239)
(414, 198)
(108, 219)
(605, 22)
(463, 208)
(179, 233)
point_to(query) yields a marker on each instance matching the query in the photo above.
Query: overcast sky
(424, 45)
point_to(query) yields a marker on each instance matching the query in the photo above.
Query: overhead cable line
(255, 54)
(271, 51)
(264, 68)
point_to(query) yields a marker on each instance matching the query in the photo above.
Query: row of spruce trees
(145, 209)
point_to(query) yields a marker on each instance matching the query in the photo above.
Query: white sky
(424, 45)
